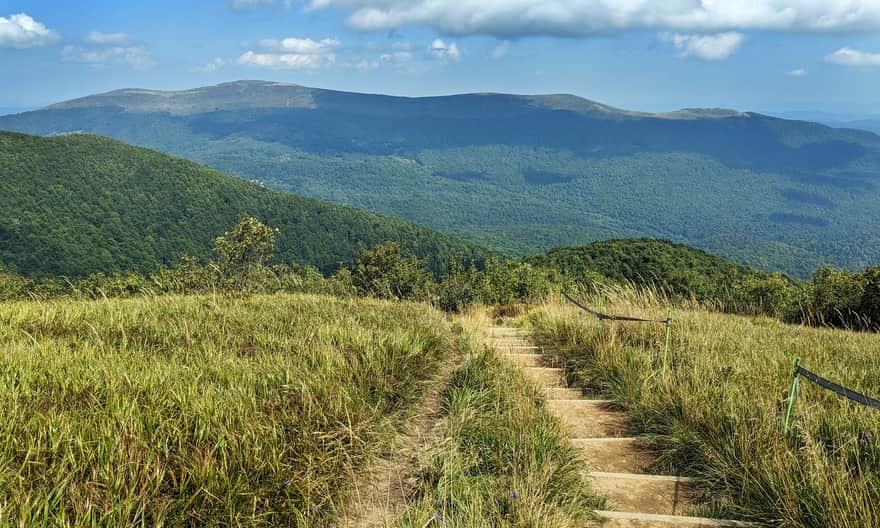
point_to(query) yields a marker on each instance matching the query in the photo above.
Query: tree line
(243, 263)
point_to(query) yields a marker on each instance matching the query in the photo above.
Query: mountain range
(523, 174)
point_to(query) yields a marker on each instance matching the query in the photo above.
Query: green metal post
(792, 394)
(668, 331)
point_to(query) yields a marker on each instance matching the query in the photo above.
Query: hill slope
(679, 268)
(80, 204)
(524, 173)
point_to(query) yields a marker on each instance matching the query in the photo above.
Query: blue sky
(769, 55)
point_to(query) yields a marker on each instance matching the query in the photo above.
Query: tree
(870, 305)
(390, 272)
(244, 251)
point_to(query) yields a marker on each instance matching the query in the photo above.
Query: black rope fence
(606, 317)
(839, 389)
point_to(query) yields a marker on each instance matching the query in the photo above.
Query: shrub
(391, 272)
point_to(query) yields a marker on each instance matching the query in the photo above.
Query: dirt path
(618, 461)
(380, 495)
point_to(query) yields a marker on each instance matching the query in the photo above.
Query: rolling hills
(80, 204)
(523, 174)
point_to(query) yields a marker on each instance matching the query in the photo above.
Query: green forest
(78, 204)
(522, 175)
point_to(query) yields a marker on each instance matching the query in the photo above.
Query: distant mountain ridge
(523, 173)
(80, 204)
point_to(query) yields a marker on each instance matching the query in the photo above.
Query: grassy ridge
(502, 459)
(176, 411)
(717, 414)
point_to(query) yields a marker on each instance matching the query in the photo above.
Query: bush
(391, 272)
(837, 297)
(771, 295)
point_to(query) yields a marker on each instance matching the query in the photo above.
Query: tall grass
(201, 411)
(501, 459)
(717, 414)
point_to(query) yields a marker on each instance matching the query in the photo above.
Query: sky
(651, 55)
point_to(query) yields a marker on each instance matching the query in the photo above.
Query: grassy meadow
(202, 411)
(717, 413)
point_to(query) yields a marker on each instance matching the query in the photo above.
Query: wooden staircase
(618, 460)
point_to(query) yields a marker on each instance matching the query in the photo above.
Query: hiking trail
(618, 461)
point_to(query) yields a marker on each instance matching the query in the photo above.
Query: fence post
(666, 349)
(792, 394)
(601, 306)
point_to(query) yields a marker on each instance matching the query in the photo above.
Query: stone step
(615, 455)
(619, 519)
(590, 418)
(547, 377)
(654, 494)
(527, 360)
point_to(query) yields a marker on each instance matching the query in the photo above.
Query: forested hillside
(523, 174)
(80, 204)
(674, 267)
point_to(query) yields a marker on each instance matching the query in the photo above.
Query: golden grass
(717, 414)
(201, 411)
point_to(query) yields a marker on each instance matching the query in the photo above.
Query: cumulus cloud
(445, 51)
(96, 37)
(22, 31)
(292, 53)
(706, 47)
(301, 46)
(285, 61)
(854, 57)
(136, 57)
(210, 67)
(800, 72)
(516, 18)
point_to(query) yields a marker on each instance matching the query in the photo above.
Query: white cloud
(286, 61)
(500, 51)
(705, 47)
(300, 46)
(800, 72)
(402, 46)
(292, 54)
(445, 51)
(135, 57)
(853, 57)
(210, 67)
(22, 31)
(513, 18)
(96, 37)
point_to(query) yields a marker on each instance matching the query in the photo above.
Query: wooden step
(654, 494)
(590, 418)
(563, 393)
(516, 348)
(527, 360)
(615, 455)
(618, 519)
(505, 331)
(547, 377)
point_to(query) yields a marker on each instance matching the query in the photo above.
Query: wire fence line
(799, 371)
